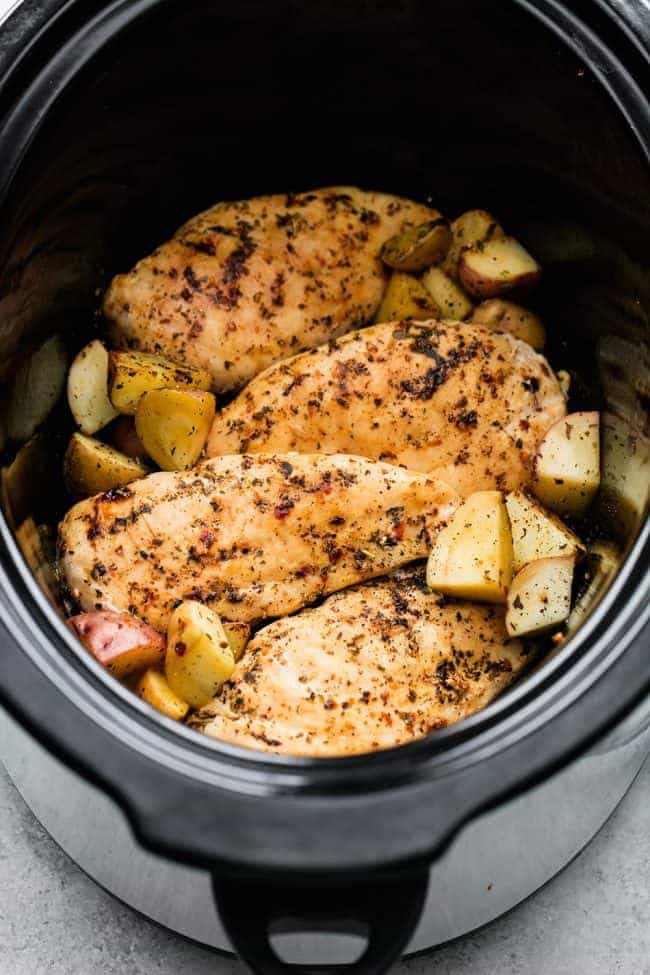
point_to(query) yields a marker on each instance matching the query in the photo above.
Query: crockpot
(117, 120)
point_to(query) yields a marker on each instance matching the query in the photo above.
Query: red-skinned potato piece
(497, 267)
(120, 642)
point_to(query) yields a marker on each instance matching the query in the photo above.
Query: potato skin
(539, 597)
(418, 247)
(132, 374)
(120, 642)
(470, 228)
(496, 267)
(92, 467)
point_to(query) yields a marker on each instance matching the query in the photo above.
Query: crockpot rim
(406, 756)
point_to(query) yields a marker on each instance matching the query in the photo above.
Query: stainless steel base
(495, 863)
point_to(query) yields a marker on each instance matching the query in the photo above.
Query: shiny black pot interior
(162, 108)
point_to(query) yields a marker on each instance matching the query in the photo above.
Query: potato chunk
(540, 596)
(469, 229)
(405, 298)
(449, 297)
(506, 316)
(35, 388)
(472, 556)
(536, 533)
(238, 636)
(496, 267)
(418, 247)
(131, 374)
(88, 389)
(199, 658)
(120, 642)
(567, 466)
(153, 688)
(92, 467)
(173, 425)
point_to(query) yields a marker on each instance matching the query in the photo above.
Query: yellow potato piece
(472, 556)
(536, 533)
(92, 467)
(540, 596)
(88, 389)
(132, 374)
(496, 267)
(173, 425)
(153, 688)
(507, 316)
(470, 228)
(238, 636)
(198, 658)
(448, 296)
(418, 247)
(405, 298)
(567, 466)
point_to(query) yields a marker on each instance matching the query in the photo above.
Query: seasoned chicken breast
(245, 284)
(372, 667)
(254, 537)
(454, 399)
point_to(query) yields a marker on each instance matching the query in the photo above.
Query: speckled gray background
(594, 919)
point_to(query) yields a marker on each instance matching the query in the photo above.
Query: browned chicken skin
(245, 284)
(372, 667)
(253, 537)
(454, 399)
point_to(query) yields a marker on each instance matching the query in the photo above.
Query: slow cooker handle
(387, 908)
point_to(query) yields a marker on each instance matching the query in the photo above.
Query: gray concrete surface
(594, 919)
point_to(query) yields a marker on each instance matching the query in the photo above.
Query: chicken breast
(254, 537)
(245, 284)
(372, 667)
(454, 399)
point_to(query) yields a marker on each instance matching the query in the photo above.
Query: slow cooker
(117, 120)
